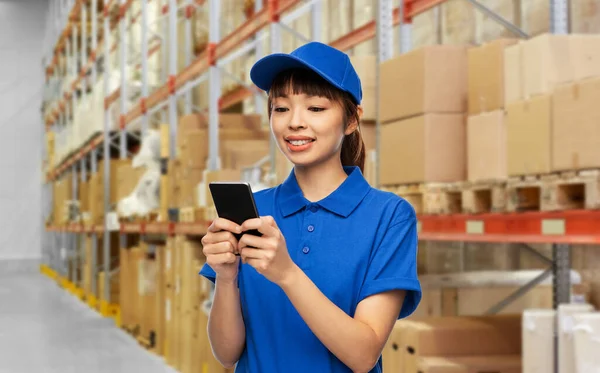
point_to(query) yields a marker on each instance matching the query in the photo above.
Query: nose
(296, 122)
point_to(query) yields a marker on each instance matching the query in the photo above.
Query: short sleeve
(208, 272)
(394, 265)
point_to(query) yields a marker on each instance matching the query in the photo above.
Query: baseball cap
(331, 64)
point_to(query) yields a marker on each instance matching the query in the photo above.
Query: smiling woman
(335, 266)
(326, 104)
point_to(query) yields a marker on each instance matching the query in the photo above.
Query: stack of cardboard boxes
(531, 110)
(162, 299)
(455, 345)
(486, 125)
(422, 106)
(242, 142)
(552, 90)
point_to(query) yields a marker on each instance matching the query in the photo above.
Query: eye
(316, 109)
(280, 109)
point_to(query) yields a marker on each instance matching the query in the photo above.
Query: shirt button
(305, 250)
(311, 228)
(314, 208)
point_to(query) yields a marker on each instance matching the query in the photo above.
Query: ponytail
(353, 150)
(353, 147)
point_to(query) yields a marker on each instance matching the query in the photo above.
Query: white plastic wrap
(149, 154)
(144, 198)
(587, 342)
(538, 327)
(566, 346)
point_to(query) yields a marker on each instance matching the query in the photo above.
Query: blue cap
(330, 63)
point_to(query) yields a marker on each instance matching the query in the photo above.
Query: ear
(354, 125)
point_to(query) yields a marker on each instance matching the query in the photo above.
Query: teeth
(299, 142)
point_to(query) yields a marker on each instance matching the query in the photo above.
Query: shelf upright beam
(74, 57)
(559, 16)
(106, 156)
(214, 84)
(188, 47)
(93, 264)
(145, 118)
(172, 24)
(164, 70)
(405, 29)
(316, 17)
(259, 101)
(385, 47)
(72, 236)
(84, 59)
(123, 96)
(275, 31)
(94, 41)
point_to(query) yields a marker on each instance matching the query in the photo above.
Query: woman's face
(309, 129)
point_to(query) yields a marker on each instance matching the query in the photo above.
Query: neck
(319, 181)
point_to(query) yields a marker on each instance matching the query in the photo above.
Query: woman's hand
(220, 246)
(267, 254)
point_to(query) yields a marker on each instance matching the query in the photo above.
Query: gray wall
(21, 78)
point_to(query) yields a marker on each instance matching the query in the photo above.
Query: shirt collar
(341, 201)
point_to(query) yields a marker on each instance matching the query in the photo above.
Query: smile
(299, 142)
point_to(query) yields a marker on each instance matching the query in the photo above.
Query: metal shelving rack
(561, 228)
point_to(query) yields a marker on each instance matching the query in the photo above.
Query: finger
(250, 253)
(224, 258)
(220, 224)
(270, 221)
(263, 243)
(219, 248)
(217, 237)
(260, 225)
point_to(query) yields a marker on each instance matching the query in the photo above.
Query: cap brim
(267, 68)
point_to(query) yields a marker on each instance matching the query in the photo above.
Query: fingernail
(239, 229)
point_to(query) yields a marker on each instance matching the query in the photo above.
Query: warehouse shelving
(560, 228)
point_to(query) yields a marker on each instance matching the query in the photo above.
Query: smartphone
(234, 201)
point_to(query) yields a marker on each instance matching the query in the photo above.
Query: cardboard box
(486, 146)
(546, 64)
(427, 148)
(513, 73)
(366, 68)
(576, 130)
(243, 153)
(529, 136)
(470, 364)
(585, 50)
(486, 76)
(188, 183)
(450, 336)
(431, 79)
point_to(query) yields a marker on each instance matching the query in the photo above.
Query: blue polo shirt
(356, 242)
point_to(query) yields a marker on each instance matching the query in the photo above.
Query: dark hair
(298, 81)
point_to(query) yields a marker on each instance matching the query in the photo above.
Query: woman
(320, 291)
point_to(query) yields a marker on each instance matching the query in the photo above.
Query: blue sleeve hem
(208, 272)
(411, 285)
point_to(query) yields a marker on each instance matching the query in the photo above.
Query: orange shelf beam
(572, 227)
(415, 7)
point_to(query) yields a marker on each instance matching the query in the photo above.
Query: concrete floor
(43, 329)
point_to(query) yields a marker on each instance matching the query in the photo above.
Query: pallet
(484, 196)
(554, 192)
(431, 198)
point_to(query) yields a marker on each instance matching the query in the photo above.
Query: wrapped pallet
(538, 340)
(586, 337)
(566, 346)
